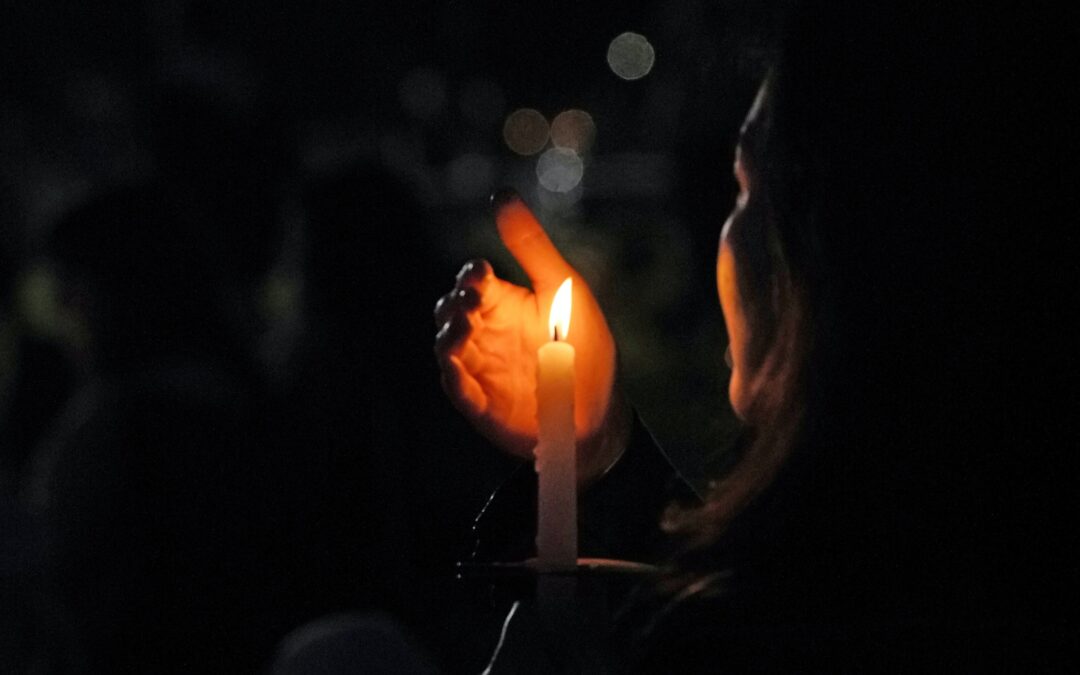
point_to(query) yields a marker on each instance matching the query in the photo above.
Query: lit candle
(556, 451)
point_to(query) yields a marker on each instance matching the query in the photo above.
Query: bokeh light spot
(525, 131)
(573, 129)
(630, 56)
(560, 169)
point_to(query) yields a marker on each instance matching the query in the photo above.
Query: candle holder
(569, 612)
(533, 566)
(593, 579)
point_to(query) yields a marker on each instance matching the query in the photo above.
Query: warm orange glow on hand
(489, 334)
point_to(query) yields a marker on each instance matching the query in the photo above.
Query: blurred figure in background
(36, 377)
(338, 372)
(164, 494)
(229, 146)
(191, 516)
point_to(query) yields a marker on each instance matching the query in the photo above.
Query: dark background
(264, 115)
(315, 86)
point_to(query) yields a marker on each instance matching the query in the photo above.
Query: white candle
(556, 449)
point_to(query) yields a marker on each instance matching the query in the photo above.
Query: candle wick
(556, 332)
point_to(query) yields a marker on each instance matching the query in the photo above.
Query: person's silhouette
(166, 493)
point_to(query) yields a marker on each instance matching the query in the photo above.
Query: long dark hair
(883, 461)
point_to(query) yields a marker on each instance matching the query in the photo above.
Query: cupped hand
(489, 334)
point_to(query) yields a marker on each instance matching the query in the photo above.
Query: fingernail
(502, 197)
(477, 269)
(469, 297)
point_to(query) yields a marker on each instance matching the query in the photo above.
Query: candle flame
(559, 318)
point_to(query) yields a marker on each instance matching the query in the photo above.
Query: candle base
(533, 566)
(575, 608)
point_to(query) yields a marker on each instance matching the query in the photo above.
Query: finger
(478, 275)
(527, 241)
(452, 335)
(456, 301)
(470, 356)
(459, 384)
(473, 273)
(453, 340)
(462, 389)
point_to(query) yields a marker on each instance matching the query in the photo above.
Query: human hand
(489, 334)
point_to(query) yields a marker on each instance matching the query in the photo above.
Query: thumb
(524, 236)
